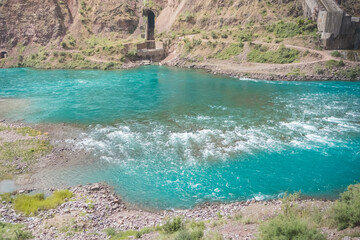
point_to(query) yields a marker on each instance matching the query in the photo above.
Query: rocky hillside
(104, 33)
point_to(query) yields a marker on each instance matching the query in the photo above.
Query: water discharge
(170, 138)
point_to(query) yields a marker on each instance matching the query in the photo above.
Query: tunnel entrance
(150, 31)
(3, 54)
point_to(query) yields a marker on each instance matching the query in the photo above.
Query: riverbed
(173, 138)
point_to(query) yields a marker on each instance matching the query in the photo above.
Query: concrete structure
(3, 54)
(337, 29)
(150, 49)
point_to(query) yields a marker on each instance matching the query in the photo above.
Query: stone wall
(337, 29)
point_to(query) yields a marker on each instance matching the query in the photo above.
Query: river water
(173, 138)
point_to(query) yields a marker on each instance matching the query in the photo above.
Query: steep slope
(29, 21)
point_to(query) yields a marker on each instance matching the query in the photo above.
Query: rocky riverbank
(96, 208)
(270, 72)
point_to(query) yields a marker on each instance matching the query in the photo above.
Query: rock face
(30, 21)
(47, 22)
(40, 22)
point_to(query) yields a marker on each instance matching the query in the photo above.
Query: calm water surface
(170, 138)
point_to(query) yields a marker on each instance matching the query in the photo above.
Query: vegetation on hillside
(346, 210)
(299, 26)
(262, 54)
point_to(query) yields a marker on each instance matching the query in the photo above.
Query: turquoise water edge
(173, 138)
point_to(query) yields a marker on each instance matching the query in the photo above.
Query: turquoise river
(172, 138)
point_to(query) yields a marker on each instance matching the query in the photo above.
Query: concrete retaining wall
(337, 30)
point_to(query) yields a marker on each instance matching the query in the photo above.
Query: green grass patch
(346, 210)
(230, 51)
(4, 128)
(114, 235)
(28, 131)
(6, 197)
(31, 204)
(26, 150)
(300, 26)
(283, 55)
(13, 232)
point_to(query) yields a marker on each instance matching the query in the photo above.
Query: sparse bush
(346, 210)
(173, 226)
(30, 204)
(288, 227)
(188, 17)
(72, 41)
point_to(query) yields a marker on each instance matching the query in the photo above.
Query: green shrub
(336, 54)
(26, 150)
(214, 35)
(346, 210)
(30, 204)
(224, 35)
(63, 45)
(301, 26)
(282, 227)
(283, 55)
(244, 36)
(334, 64)
(72, 41)
(351, 73)
(173, 226)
